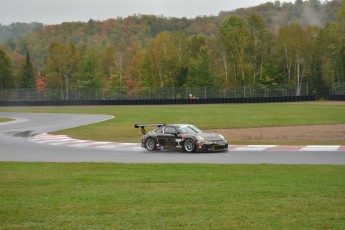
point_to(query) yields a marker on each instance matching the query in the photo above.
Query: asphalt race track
(16, 145)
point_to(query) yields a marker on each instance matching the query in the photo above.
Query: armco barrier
(161, 101)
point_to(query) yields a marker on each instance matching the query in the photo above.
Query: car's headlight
(200, 139)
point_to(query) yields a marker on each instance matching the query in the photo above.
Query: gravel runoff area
(310, 133)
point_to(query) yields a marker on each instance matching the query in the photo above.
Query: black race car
(181, 136)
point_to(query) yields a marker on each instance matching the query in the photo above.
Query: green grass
(5, 119)
(204, 116)
(171, 196)
(176, 196)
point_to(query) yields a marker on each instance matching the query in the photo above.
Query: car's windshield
(189, 129)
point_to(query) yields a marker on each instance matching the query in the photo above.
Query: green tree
(200, 73)
(235, 38)
(296, 48)
(341, 14)
(260, 48)
(332, 45)
(6, 76)
(25, 74)
(165, 58)
(89, 72)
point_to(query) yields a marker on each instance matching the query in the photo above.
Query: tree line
(238, 51)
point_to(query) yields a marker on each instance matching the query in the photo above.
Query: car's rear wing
(142, 126)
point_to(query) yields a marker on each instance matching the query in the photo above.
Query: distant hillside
(307, 13)
(17, 30)
(249, 46)
(277, 14)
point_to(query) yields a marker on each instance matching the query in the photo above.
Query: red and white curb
(63, 140)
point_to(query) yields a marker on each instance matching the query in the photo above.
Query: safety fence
(159, 101)
(147, 93)
(338, 89)
(337, 92)
(337, 97)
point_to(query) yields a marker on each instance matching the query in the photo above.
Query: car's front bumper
(212, 147)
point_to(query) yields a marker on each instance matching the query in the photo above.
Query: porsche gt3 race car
(183, 137)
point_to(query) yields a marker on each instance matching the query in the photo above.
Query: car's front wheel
(189, 145)
(150, 144)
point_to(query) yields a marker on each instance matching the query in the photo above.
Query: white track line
(321, 148)
(253, 148)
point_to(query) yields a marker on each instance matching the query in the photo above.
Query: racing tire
(189, 145)
(150, 144)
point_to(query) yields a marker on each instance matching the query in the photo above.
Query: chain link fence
(149, 93)
(338, 89)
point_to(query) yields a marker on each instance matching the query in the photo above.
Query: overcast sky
(58, 11)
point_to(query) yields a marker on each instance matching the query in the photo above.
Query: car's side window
(170, 130)
(159, 130)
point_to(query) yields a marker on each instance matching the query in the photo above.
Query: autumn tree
(263, 45)
(106, 61)
(113, 62)
(41, 83)
(134, 57)
(6, 76)
(62, 66)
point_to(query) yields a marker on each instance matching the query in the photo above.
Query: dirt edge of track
(317, 134)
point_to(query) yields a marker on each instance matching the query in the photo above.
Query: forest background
(271, 44)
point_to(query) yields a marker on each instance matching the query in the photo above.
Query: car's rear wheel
(189, 145)
(150, 144)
